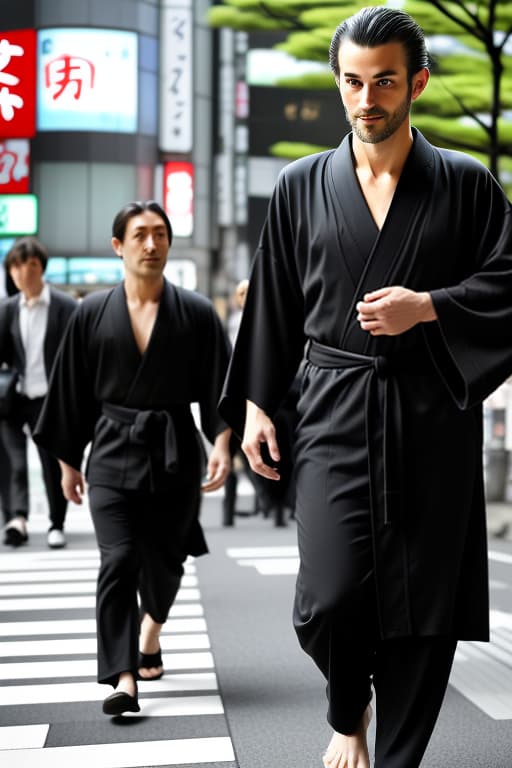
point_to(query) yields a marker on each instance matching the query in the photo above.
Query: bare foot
(127, 684)
(349, 751)
(149, 642)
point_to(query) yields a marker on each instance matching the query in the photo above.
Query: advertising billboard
(87, 80)
(18, 215)
(18, 83)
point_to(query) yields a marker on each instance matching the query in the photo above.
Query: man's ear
(117, 246)
(419, 82)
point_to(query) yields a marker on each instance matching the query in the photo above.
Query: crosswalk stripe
(87, 645)
(70, 575)
(135, 754)
(23, 736)
(62, 603)
(88, 626)
(33, 670)
(57, 693)
(187, 592)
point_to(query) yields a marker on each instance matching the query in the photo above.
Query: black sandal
(149, 660)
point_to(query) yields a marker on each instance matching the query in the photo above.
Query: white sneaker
(56, 539)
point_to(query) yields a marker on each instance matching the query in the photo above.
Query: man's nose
(149, 243)
(367, 99)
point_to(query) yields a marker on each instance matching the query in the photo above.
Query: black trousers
(335, 619)
(142, 538)
(5, 479)
(26, 413)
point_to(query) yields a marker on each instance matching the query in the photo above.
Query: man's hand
(260, 429)
(393, 310)
(72, 483)
(219, 463)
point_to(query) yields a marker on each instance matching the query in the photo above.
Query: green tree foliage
(468, 103)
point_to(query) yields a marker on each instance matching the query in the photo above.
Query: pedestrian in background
(133, 360)
(32, 323)
(391, 259)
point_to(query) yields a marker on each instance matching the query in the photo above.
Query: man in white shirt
(32, 324)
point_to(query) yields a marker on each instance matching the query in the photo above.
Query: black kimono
(146, 459)
(390, 499)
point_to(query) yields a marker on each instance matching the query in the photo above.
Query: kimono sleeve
(270, 341)
(66, 422)
(471, 344)
(215, 362)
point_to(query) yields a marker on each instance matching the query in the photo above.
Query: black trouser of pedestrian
(335, 619)
(26, 412)
(142, 538)
(5, 479)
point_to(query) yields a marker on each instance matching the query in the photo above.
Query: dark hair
(134, 209)
(378, 25)
(24, 249)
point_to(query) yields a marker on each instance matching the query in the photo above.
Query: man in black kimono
(389, 261)
(133, 360)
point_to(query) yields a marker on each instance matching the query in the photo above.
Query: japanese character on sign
(67, 71)
(8, 101)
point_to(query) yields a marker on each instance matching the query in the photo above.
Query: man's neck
(386, 158)
(141, 290)
(33, 291)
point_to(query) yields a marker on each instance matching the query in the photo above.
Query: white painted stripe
(35, 670)
(23, 736)
(485, 681)
(134, 754)
(87, 626)
(273, 566)
(55, 562)
(54, 693)
(76, 588)
(500, 618)
(87, 645)
(180, 706)
(237, 552)
(494, 584)
(500, 557)
(19, 604)
(19, 577)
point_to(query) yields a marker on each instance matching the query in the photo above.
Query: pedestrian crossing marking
(133, 754)
(52, 582)
(23, 736)
(88, 626)
(64, 693)
(87, 645)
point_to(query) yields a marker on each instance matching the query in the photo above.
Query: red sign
(14, 166)
(179, 197)
(18, 83)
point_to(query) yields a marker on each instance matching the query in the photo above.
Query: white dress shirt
(33, 324)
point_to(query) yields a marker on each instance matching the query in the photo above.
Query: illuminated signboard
(87, 80)
(176, 70)
(179, 197)
(18, 83)
(18, 215)
(14, 166)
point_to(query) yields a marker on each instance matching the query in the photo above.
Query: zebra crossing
(50, 704)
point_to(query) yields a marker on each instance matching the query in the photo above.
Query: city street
(238, 692)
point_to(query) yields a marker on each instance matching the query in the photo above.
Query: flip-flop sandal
(149, 660)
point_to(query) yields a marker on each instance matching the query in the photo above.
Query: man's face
(145, 245)
(27, 276)
(375, 89)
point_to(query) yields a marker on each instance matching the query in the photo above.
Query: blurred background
(199, 105)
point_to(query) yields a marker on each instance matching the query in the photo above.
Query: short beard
(394, 123)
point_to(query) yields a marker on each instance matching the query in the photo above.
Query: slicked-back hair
(378, 25)
(24, 249)
(135, 209)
